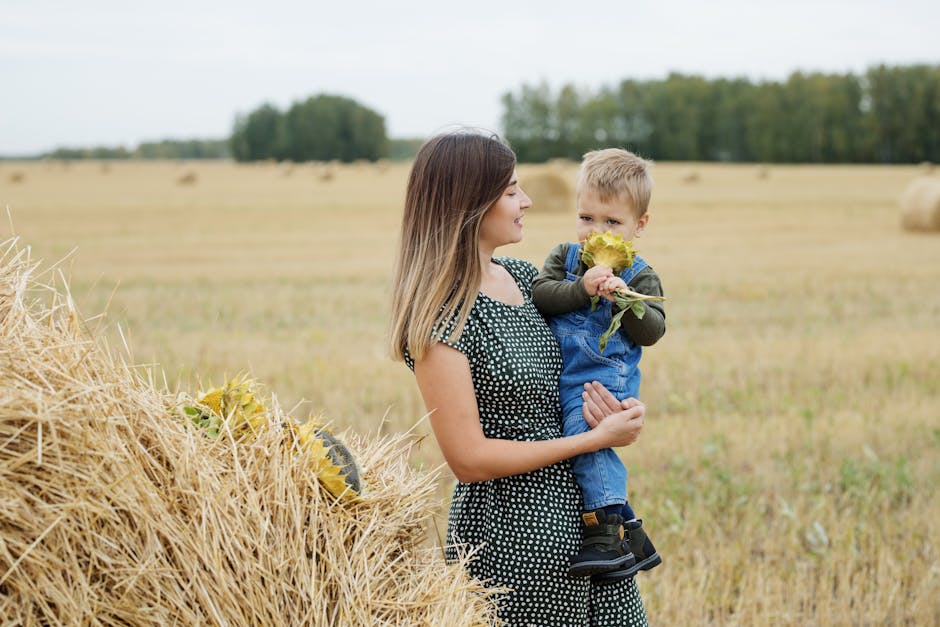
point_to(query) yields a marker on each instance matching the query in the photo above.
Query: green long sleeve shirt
(553, 295)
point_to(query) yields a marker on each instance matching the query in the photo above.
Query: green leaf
(594, 301)
(614, 325)
(191, 411)
(638, 309)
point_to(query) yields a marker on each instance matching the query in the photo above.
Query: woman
(487, 366)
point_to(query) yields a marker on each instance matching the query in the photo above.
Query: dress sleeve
(464, 344)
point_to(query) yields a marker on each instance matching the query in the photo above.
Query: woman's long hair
(455, 179)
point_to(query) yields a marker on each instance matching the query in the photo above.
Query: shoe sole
(650, 562)
(599, 567)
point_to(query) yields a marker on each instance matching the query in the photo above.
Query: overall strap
(573, 258)
(638, 264)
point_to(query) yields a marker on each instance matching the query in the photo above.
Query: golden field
(788, 468)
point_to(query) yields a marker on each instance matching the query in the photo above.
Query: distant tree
(255, 135)
(904, 108)
(320, 128)
(184, 149)
(98, 152)
(528, 123)
(404, 149)
(891, 114)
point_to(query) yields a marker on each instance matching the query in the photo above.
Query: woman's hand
(621, 421)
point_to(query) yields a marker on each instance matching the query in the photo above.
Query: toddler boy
(613, 193)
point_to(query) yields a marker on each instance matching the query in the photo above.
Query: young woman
(488, 366)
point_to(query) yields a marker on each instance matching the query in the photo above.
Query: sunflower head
(608, 250)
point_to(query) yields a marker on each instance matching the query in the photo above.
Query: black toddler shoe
(644, 553)
(603, 547)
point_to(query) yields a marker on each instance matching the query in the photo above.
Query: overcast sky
(104, 72)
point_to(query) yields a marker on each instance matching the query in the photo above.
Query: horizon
(103, 74)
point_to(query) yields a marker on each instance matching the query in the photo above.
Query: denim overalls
(601, 475)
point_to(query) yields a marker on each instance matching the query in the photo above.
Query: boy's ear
(641, 223)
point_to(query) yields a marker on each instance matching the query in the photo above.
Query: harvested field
(788, 468)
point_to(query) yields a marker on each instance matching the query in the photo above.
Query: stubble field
(788, 468)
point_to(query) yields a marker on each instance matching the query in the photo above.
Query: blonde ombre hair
(617, 174)
(455, 179)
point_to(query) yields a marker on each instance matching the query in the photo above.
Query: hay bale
(105, 168)
(326, 175)
(926, 168)
(920, 205)
(550, 191)
(690, 176)
(114, 510)
(763, 172)
(16, 177)
(187, 178)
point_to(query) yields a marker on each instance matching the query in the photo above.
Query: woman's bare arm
(445, 382)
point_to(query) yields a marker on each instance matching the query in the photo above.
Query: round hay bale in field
(117, 509)
(326, 175)
(17, 177)
(926, 167)
(920, 205)
(187, 178)
(763, 172)
(550, 191)
(690, 176)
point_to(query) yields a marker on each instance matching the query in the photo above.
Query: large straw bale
(115, 511)
(920, 205)
(549, 190)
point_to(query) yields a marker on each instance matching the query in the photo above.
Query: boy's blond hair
(617, 174)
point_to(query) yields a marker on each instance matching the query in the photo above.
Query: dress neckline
(525, 297)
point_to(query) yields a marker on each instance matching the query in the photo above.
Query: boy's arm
(652, 326)
(551, 293)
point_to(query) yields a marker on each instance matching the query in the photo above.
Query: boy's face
(616, 216)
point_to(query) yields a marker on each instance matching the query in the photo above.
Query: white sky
(107, 72)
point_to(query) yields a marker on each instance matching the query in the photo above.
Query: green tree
(891, 115)
(321, 128)
(255, 135)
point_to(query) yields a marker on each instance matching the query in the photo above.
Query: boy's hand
(607, 288)
(594, 278)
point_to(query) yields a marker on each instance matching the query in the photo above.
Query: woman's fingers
(598, 403)
(634, 404)
(591, 412)
(606, 402)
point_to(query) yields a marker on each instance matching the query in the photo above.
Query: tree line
(886, 115)
(320, 128)
(166, 149)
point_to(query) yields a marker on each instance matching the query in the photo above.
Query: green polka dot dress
(523, 528)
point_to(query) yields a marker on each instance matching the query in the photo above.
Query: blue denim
(601, 475)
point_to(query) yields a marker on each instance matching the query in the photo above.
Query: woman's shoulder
(521, 269)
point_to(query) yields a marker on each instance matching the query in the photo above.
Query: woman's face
(502, 223)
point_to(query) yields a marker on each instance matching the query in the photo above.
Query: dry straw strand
(113, 510)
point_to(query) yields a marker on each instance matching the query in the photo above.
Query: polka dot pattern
(522, 529)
